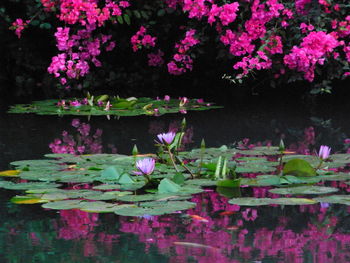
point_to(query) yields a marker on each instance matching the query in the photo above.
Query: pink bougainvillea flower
(145, 166)
(324, 152)
(166, 138)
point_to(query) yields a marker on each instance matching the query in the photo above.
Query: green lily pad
(155, 208)
(168, 186)
(26, 186)
(308, 190)
(251, 201)
(298, 167)
(229, 183)
(119, 107)
(63, 205)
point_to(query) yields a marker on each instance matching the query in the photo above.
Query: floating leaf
(298, 167)
(107, 187)
(179, 179)
(125, 179)
(27, 199)
(252, 201)
(304, 190)
(229, 183)
(155, 208)
(119, 106)
(99, 207)
(111, 173)
(10, 173)
(63, 205)
(167, 186)
(201, 182)
(26, 186)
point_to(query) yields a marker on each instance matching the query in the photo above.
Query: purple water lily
(166, 138)
(324, 152)
(145, 166)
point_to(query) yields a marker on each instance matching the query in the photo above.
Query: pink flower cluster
(181, 60)
(156, 59)
(141, 39)
(225, 14)
(314, 49)
(83, 143)
(85, 11)
(19, 25)
(79, 49)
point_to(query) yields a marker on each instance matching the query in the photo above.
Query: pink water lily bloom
(108, 106)
(145, 166)
(166, 138)
(324, 152)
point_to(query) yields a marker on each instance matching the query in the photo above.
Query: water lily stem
(172, 159)
(319, 165)
(186, 168)
(280, 165)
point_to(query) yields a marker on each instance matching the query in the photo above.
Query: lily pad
(63, 205)
(298, 167)
(155, 208)
(10, 173)
(26, 186)
(27, 199)
(118, 107)
(307, 190)
(252, 201)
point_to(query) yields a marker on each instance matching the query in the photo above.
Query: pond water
(212, 231)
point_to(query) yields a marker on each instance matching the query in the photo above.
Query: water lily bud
(135, 151)
(324, 152)
(281, 146)
(203, 144)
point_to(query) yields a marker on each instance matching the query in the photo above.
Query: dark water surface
(221, 232)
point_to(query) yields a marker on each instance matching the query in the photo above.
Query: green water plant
(162, 183)
(111, 105)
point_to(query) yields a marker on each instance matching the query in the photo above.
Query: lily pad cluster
(109, 183)
(105, 105)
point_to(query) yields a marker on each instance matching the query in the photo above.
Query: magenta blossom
(145, 166)
(166, 138)
(75, 103)
(324, 152)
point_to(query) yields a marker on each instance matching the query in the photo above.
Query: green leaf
(111, 173)
(168, 186)
(304, 190)
(252, 201)
(298, 167)
(155, 208)
(120, 19)
(229, 183)
(125, 179)
(63, 205)
(179, 179)
(127, 19)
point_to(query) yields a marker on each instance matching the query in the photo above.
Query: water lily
(108, 106)
(145, 166)
(324, 152)
(166, 138)
(75, 103)
(183, 101)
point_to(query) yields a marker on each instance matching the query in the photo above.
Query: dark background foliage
(24, 62)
